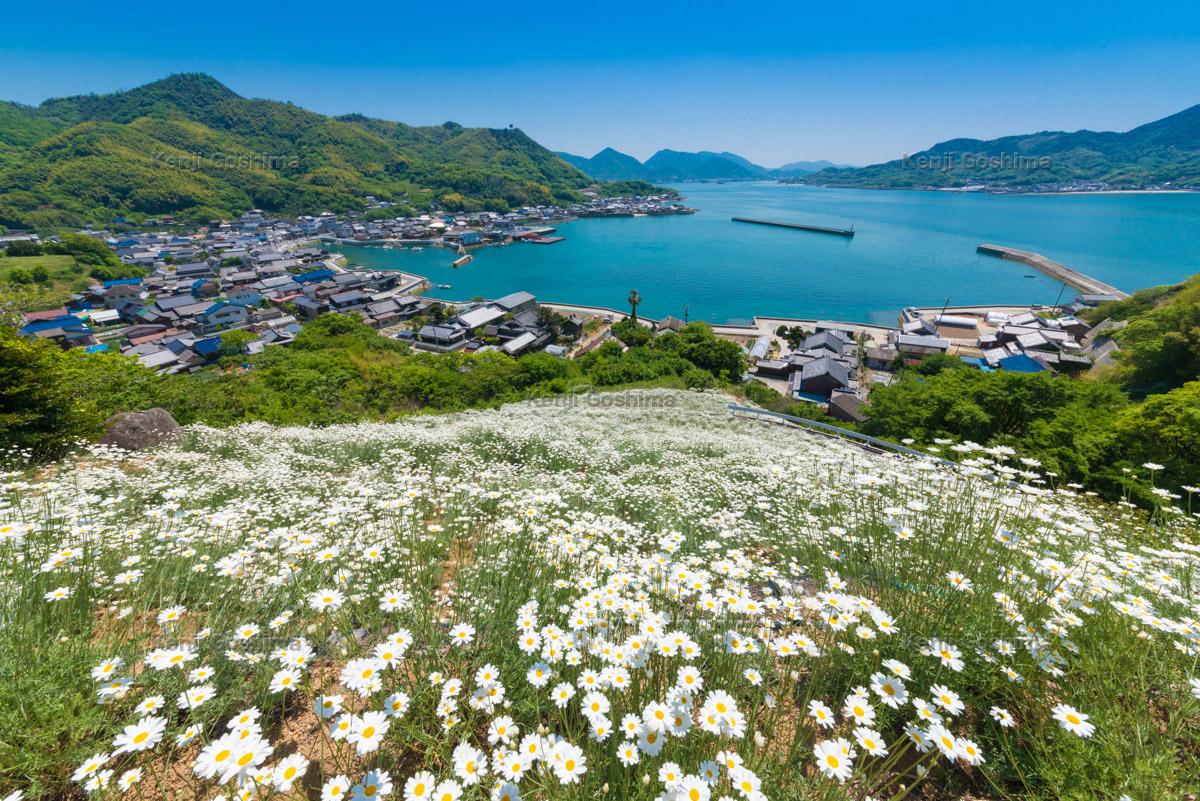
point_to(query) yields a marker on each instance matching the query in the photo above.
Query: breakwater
(819, 229)
(1060, 272)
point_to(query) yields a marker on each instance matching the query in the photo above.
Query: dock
(1059, 272)
(820, 229)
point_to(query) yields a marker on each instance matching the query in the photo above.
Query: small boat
(444, 286)
(417, 249)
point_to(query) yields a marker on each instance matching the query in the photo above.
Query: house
(309, 308)
(114, 295)
(198, 269)
(669, 323)
(66, 330)
(441, 338)
(314, 276)
(1021, 363)
(775, 368)
(346, 301)
(479, 316)
(880, 358)
(516, 302)
(223, 315)
(846, 407)
(921, 345)
(835, 342)
(520, 344)
(170, 304)
(244, 297)
(820, 377)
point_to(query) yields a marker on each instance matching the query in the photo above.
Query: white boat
(444, 286)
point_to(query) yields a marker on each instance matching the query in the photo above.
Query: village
(267, 277)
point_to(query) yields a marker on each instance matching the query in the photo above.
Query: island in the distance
(1160, 155)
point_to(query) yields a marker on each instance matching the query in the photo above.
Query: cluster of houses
(1023, 341)
(824, 363)
(254, 274)
(835, 367)
(511, 324)
(468, 229)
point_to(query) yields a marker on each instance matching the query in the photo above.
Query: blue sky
(859, 82)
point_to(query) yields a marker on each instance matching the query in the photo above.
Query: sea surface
(910, 249)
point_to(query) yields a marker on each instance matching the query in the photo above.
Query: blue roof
(1021, 363)
(206, 347)
(314, 276)
(65, 321)
(124, 282)
(216, 307)
(103, 346)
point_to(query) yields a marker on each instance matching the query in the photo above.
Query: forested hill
(675, 165)
(1158, 154)
(189, 146)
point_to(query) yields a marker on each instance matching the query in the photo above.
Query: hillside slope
(675, 165)
(563, 598)
(1159, 153)
(189, 146)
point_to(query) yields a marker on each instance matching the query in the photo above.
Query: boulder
(135, 431)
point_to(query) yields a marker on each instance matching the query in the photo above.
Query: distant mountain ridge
(189, 146)
(1164, 153)
(675, 165)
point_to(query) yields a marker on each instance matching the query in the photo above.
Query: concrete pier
(1059, 272)
(820, 229)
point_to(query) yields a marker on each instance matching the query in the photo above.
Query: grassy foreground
(630, 596)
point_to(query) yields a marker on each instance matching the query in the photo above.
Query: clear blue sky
(850, 82)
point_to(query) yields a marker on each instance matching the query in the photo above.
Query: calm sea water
(911, 248)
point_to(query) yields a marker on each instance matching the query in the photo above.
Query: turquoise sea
(910, 248)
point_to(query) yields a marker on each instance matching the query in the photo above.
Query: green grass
(66, 278)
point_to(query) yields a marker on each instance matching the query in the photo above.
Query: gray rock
(135, 431)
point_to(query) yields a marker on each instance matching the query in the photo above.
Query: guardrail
(838, 432)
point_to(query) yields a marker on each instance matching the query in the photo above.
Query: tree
(40, 274)
(698, 345)
(24, 248)
(40, 411)
(631, 332)
(634, 300)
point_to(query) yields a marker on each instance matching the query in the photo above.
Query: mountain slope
(1159, 153)
(189, 146)
(675, 165)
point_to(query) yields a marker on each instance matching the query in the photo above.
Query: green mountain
(609, 165)
(675, 165)
(1161, 153)
(801, 167)
(191, 147)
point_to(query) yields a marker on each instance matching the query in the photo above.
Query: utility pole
(685, 314)
(1056, 300)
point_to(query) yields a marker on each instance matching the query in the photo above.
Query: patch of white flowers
(654, 602)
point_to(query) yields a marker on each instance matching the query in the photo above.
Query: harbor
(819, 229)
(916, 248)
